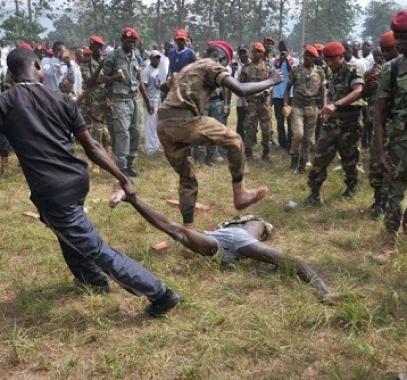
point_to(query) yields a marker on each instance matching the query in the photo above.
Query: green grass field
(247, 321)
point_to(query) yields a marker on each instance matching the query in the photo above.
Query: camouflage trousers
(257, 113)
(338, 134)
(126, 131)
(303, 122)
(101, 134)
(397, 186)
(377, 178)
(213, 109)
(177, 136)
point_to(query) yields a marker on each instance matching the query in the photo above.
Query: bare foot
(246, 197)
(387, 251)
(117, 196)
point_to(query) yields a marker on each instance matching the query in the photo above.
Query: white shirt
(151, 77)
(77, 86)
(369, 61)
(55, 71)
(359, 63)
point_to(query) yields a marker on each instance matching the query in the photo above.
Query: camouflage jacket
(255, 72)
(308, 83)
(371, 82)
(95, 102)
(340, 84)
(396, 97)
(129, 65)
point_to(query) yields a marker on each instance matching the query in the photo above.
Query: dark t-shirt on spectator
(39, 124)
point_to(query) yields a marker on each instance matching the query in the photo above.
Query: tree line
(238, 21)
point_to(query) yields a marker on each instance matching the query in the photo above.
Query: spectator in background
(58, 68)
(181, 55)
(367, 50)
(285, 62)
(241, 102)
(151, 78)
(76, 66)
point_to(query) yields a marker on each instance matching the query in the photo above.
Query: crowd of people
(339, 97)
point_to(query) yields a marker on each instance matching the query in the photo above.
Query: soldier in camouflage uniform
(258, 106)
(215, 109)
(376, 176)
(391, 101)
(121, 70)
(94, 103)
(342, 127)
(308, 81)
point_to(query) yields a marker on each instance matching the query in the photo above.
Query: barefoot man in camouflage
(180, 125)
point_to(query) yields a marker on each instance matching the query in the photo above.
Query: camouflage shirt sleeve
(357, 77)
(215, 74)
(109, 65)
(243, 77)
(384, 85)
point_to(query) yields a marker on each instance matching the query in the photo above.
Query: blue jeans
(87, 255)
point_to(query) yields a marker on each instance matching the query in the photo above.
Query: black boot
(314, 199)
(301, 166)
(164, 304)
(349, 192)
(130, 171)
(376, 210)
(294, 161)
(266, 155)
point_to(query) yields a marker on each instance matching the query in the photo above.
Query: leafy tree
(21, 28)
(326, 20)
(378, 15)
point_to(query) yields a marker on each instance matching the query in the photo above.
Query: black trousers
(284, 138)
(241, 116)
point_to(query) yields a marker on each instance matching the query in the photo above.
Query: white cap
(155, 53)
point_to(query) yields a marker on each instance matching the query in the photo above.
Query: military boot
(301, 166)
(294, 161)
(349, 192)
(266, 155)
(376, 210)
(4, 167)
(314, 199)
(130, 171)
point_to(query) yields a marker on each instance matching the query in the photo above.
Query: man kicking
(233, 240)
(40, 124)
(180, 125)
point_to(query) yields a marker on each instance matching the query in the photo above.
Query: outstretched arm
(101, 158)
(194, 240)
(262, 252)
(250, 88)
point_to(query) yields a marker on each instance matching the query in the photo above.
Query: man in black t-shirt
(40, 124)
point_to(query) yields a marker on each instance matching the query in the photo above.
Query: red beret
(319, 47)
(333, 49)
(387, 40)
(24, 45)
(87, 52)
(97, 40)
(128, 32)
(311, 50)
(181, 34)
(225, 46)
(259, 47)
(399, 21)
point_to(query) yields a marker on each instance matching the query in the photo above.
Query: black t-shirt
(39, 124)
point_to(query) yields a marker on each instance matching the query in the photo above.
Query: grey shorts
(229, 241)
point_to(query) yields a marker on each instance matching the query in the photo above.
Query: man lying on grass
(234, 240)
(40, 124)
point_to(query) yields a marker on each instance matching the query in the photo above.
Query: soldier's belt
(129, 96)
(168, 113)
(304, 102)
